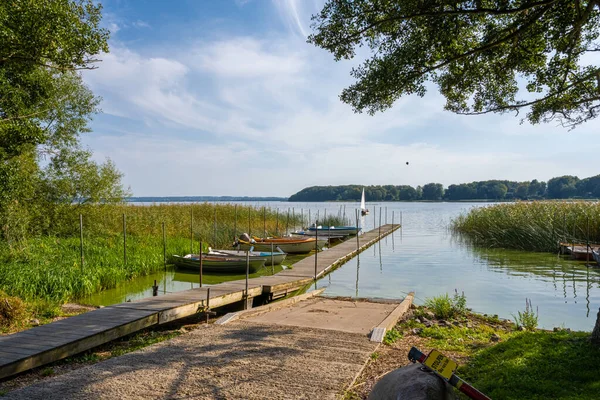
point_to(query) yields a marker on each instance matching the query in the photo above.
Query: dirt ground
(240, 360)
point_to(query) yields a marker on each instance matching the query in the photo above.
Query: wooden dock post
(287, 222)
(249, 223)
(247, 277)
(235, 224)
(587, 240)
(316, 246)
(124, 241)
(277, 223)
(81, 238)
(215, 229)
(357, 241)
(308, 224)
(155, 289)
(200, 259)
(192, 229)
(164, 245)
(264, 222)
(379, 223)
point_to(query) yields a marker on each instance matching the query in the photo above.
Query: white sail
(362, 201)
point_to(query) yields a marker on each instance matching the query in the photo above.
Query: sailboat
(363, 207)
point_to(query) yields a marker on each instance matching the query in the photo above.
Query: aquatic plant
(533, 226)
(527, 319)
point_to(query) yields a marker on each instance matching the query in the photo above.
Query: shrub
(444, 307)
(12, 310)
(527, 319)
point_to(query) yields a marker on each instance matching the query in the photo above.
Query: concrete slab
(322, 313)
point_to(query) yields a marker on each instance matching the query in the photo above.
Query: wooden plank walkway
(47, 343)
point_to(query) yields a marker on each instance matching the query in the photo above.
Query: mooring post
(379, 223)
(192, 229)
(294, 219)
(124, 241)
(215, 229)
(287, 222)
(81, 238)
(308, 224)
(164, 245)
(302, 218)
(247, 277)
(272, 263)
(264, 222)
(249, 230)
(392, 221)
(155, 289)
(587, 240)
(357, 241)
(374, 218)
(235, 223)
(386, 215)
(200, 259)
(277, 223)
(207, 311)
(316, 246)
(401, 224)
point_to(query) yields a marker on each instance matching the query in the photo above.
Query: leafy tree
(562, 187)
(433, 191)
(537, 188)
(484, 56)
(44, 107)
(522, 191)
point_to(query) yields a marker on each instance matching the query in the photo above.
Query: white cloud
(140, 24)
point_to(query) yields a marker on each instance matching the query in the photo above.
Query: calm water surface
(426, 258)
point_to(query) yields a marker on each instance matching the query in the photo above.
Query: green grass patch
(537, 365)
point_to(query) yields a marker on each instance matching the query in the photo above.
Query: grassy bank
(47, 269)
(494, 356)
(535, 226)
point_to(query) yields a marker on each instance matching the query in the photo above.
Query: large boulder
(412, 382)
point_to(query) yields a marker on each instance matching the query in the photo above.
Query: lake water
(426, 258)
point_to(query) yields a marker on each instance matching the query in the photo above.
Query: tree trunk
(596, 331)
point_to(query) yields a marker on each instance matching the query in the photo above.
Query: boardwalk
(44, 344)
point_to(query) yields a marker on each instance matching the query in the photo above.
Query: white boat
(335, 230)
(292, 246)
(363, 207)
(596, 255)
(276, 257)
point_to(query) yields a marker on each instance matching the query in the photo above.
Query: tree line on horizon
(562, 187)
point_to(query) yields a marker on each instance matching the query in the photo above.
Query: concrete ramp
(330, 314)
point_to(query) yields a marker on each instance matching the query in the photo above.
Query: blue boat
(335, 230)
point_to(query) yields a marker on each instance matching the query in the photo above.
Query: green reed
(49, 267)
(532, 226)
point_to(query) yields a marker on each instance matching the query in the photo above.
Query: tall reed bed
(49, 267)
(532, 226)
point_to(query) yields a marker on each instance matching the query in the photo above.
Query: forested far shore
(562, 187)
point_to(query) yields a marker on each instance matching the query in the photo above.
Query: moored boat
(276, 257)
(217, 263)
(321, 234)
(335, 230)
(363, 207)
(579, 251)
(287, 245)
(596, 255)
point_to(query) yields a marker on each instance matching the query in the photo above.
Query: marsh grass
(46, 270)
(531, 226)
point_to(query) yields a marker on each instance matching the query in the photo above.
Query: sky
(226, 98)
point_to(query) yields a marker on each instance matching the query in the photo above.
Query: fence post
(81, 238)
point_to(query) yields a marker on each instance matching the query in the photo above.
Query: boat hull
(291, 247)
(336, 230)
(277, 258)
(218, 264)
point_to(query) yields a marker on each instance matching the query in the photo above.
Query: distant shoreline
(167, 199)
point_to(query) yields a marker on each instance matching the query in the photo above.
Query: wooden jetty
(48, 343)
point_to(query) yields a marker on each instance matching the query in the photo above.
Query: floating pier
(48, 343)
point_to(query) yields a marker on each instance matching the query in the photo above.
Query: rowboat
(287, 245)
(321, 234)
(276, 257)
(596, 255)
(336, 230)
(217, 263)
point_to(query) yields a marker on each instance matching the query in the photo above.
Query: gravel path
(241, 360)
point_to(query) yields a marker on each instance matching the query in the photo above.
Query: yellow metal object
(440, 364)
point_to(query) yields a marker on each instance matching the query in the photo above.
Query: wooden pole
(247, 277)
(192, 229)
(357, 241)
(316, 246)
(379, 222)
(235, 224)
(294, 219)
(374, 219)
(287, 222)
(392, 220)
(124, 241)
(164, 245)
(249, 230)
(81, 238)
(264, 222)
(308, 218)
(587, 240)
(277, 223)
(200, 259)
(302, 218)
(386, 215)
(272, 263)
(215, 229)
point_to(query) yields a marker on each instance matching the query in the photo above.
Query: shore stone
(411, 382)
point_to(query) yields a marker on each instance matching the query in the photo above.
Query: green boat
(217, 263)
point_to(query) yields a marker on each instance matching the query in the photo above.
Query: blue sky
(227, 98)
